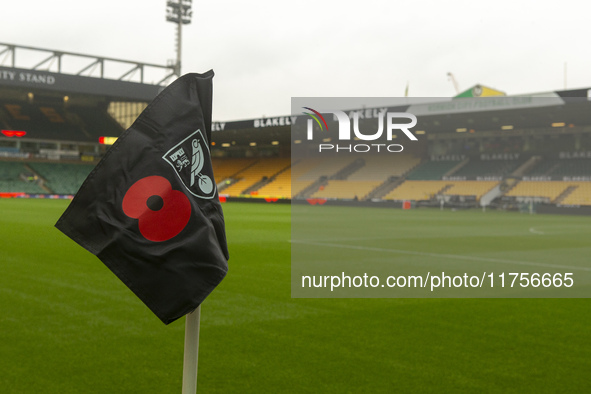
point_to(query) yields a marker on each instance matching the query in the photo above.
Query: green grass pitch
(68, 325)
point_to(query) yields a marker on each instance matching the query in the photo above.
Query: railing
(63, 62)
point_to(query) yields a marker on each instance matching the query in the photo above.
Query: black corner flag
(150, 209)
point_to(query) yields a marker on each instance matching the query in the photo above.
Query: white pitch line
(449, 256)
(533, 230)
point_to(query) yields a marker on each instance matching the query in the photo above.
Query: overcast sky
(265, 52)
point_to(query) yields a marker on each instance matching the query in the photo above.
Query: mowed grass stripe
(442, 255)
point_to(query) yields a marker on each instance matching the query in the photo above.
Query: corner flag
(150, 209)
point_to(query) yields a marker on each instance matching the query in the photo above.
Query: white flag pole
(191, 354)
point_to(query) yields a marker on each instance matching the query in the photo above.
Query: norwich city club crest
(191, 160)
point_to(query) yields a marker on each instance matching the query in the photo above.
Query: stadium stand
(260, 171)
(562, 167)
(299, 186)
(272, 177)
(542, 167)
(416, 190)
(549, 189)
(470, 188)
(346, 189)
(13, 179)
(327, 167)
(425, 190)
(227, 168)
(581, 195)
(41, 121)
(63, 178)
(348, 177)
(278, 187)
(301, 168)
(488, 168)
(312, 174)
(56, 122)
(380, 168)
(299, 172)
(431, 170)
(557, 192)
(94, 122)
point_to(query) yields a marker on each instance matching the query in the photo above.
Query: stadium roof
(32, 80)
(37, 69)
(539, 110)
